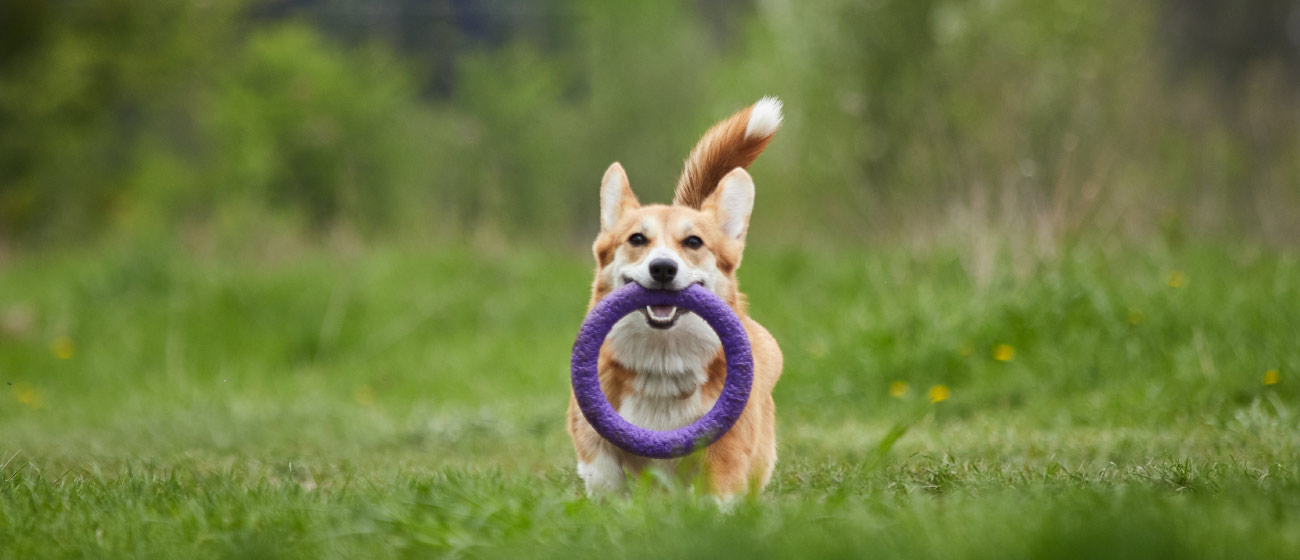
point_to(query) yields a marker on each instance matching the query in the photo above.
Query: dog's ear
(616, 197)
(732, 203)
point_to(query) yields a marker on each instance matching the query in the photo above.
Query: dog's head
(700, 238)
(671, 247)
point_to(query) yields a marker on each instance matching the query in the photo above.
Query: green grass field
(1114, 401)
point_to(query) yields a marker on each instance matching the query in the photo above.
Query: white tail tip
(765, 118)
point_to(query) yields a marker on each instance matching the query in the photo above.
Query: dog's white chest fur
(670, 369)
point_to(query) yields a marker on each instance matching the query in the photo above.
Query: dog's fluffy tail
(734, 142)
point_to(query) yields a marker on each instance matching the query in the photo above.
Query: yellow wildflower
(1134, 317)
(1003, 352)
(62, 347)
(28, 395)
(939, 393)
(898, 389)
(1176, 279)
(1272, 377)
(364, 395)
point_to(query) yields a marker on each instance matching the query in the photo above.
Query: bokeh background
(300, 278)
(905, 119)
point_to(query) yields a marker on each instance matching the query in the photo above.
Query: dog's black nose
(663, 270)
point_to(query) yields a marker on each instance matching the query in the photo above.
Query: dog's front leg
(602, 473)
(599, 466)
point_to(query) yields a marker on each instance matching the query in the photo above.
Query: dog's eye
(637, 240)
(693, 242)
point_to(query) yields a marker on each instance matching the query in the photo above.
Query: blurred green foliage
(933, 116)
(87, 95)
(304, 124)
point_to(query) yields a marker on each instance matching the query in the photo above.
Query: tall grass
(403, 401)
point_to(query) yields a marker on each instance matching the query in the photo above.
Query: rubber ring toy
(653, 443)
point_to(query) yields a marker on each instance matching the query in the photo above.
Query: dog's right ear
(616, 197)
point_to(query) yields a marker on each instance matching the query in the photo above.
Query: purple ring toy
(653, 443)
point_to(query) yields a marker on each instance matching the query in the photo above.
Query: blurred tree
(313, 128)
(84, 87)
(1228, 39)
(150, 114)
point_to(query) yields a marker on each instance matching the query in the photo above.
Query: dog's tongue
(662, 311)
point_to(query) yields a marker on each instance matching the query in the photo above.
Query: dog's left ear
(732, 203)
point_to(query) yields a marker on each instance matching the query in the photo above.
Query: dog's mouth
(662, 316)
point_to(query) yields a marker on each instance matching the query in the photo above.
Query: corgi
(662, 367)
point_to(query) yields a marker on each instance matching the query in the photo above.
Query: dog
(662, 367)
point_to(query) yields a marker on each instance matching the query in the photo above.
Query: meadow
(405, 400)
(300, 279)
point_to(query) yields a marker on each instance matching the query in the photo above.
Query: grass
(407, 401)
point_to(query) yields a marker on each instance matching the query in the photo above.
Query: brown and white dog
(663, 368)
